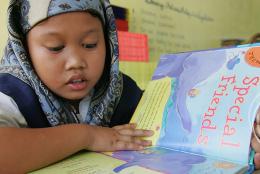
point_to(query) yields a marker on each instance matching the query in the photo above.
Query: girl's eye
(89, 45)
(56, 49)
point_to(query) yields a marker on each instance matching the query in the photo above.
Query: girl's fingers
(136, 132)
(255, 144)
(121, 145)
(257, 130)
(130, 130)
(257, 160)
(125, 126)
(135, 140)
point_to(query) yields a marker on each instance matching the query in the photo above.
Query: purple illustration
(158, 159)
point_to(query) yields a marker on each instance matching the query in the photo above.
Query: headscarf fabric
(22, 16)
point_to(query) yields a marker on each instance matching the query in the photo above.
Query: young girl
(60, 87)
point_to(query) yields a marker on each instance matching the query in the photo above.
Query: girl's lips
(78, 85)
(77, 82)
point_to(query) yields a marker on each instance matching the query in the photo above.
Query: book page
(91, 163)
(149, 113)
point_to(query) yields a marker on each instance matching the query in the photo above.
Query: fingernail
(150, 132)
(149, 142)
(141, 147)
(257, 156)
(257, 161)
(133, 124)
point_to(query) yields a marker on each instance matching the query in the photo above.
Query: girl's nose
(75, 60)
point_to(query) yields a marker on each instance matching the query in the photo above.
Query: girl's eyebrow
(85, 33)
(91, 31)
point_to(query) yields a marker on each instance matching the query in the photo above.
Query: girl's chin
(75, 96)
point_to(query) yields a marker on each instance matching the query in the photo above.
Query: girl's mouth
(77, 84)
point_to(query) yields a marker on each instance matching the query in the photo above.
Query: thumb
(257, 160)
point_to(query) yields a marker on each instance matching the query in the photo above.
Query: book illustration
(169, 161)
(232, 62)
(194, 68)
(158, 159)
(253, 56)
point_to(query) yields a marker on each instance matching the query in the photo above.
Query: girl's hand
(122, 137)
(256, 146)
(255, 141)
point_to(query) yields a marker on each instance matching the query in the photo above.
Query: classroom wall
(182, 25)
(256, 16)
(3, 30)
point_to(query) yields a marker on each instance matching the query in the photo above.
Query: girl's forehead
(34, 11)
(79, 17)
(86, 25)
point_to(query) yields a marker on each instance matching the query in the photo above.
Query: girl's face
(68, 53)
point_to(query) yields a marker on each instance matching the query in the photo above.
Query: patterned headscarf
(22, 16)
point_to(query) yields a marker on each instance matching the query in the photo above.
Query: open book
(201, 105)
